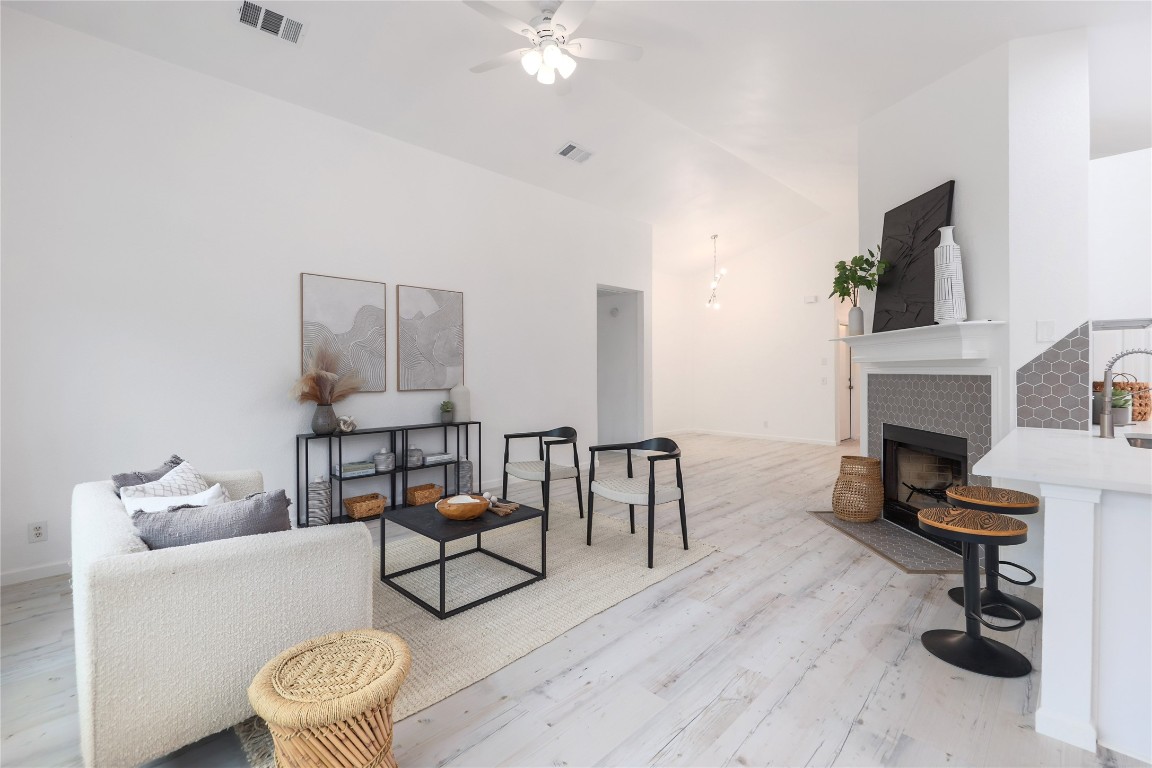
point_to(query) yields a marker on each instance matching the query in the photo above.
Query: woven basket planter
(1141, 396)
(368, 505)
(858, 496)
(423, 494)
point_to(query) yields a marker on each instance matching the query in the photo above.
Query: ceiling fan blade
(571, 14)
(512, 57)
(590, 48)
(505, 20)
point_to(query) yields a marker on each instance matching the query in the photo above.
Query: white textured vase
(949, 306)
(855, 322)
(462, 401)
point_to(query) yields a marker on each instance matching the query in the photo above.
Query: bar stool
(967, 649)
(1004, 501)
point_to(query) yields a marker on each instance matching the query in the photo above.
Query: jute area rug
(450, 655)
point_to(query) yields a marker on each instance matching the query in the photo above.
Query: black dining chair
(543, 470)
(633, 490)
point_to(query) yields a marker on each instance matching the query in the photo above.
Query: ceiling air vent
(574, 153)
(271, 22)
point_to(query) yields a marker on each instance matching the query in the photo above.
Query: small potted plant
(446, 409)
(1121, 407)
(860, 272)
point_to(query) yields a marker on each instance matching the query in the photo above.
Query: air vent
(271, 22)
(574, 153)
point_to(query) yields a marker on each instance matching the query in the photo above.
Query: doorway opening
(619, 364)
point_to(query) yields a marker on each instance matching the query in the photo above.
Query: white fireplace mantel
(972, 340)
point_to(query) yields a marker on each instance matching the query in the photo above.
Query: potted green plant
(1121, 407)
(446, 409)
(859, 272)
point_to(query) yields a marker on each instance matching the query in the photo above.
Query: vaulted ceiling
(740, 119)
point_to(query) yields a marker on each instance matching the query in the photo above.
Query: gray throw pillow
(183, 525)
(145, 476)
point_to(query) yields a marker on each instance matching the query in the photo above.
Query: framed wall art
(349, 316)
(906, 292)
(429, 338)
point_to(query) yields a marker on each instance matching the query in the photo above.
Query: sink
(1140, 441)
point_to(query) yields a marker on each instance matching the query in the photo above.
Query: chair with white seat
(632, 490)
(543, 470)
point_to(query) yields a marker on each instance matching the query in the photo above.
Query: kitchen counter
(1095, 527)
(1068, 457)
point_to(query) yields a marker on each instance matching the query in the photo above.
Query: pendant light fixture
(717, 276)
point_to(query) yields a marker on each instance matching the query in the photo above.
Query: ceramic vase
(445, 417)
(855, 322)
(462, 401)
(949, 306)
(324, 420)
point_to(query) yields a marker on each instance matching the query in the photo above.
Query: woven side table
(328, 701)
(858, 496)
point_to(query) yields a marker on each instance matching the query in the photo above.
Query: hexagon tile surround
(1054, 389)
(946, 403)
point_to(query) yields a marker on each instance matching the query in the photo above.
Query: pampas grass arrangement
(321, 384)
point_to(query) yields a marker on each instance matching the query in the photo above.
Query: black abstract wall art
(905, 292)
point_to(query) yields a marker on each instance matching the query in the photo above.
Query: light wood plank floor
(793, 645)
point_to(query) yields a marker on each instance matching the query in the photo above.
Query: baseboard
(778, 438)
(22, 575)
(1078, 733)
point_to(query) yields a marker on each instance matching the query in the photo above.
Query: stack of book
(438, 458)
(355, 469)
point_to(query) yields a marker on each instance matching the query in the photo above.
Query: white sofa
(167, 641)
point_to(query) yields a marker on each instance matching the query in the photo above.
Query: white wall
(619, 376)
(155, 222)
(762, 366)
(1048, 180)
(1120, 232)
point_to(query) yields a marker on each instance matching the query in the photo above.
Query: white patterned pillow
(182, 481)
(214, 495)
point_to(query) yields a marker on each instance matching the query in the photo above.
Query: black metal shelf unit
(397, 444)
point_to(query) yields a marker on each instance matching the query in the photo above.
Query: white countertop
(1073, 458)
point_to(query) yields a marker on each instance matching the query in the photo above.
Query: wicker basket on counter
(858, 496)
(368, 505)
(1141, 395)
(423, 494)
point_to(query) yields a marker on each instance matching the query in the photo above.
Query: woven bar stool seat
(968, 649)
(1004, 501)
(328, 701)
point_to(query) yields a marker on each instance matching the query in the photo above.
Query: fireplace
(918, 467)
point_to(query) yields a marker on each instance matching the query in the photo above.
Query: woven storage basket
(858, 496)
(1141, 396)
(368, 505)
(423, 494)
(328, 701)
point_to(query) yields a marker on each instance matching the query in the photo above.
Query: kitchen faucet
(1106, 429)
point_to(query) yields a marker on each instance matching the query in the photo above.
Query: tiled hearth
(951, 404)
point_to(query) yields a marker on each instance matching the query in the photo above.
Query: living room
(205, 165)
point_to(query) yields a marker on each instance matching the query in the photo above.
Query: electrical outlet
(37, 532)
(1045, 330)
(765, 425)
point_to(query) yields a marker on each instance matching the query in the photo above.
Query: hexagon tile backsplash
(1054, 389)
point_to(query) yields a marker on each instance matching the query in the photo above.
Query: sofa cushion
(182, 481)
(214, 495)
(146, 475)
(180, 526)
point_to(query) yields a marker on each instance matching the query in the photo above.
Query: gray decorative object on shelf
(461, 399)
(415, 458)
(324, 420)
(465, 468)
(385, 461)
(320, 501)
(430, 338)
(950, 305)
(349, 316)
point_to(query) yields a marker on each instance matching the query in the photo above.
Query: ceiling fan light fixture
(531, 61)
(552, 53)
(566, 66)
(546, 75)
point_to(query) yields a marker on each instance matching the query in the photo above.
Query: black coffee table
(427, 522)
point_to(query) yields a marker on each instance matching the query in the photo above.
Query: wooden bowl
(469, 511)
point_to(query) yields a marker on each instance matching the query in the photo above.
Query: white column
(1067, 709)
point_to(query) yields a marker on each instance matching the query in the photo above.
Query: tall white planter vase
(855, 322)
(950, 305)
(462, 402)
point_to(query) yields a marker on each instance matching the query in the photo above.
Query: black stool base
(975, 654)
(989, 597)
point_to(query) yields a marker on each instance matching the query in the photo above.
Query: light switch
(811, 299)
(1045, 330)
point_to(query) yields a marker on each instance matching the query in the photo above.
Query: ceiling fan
(552, 45)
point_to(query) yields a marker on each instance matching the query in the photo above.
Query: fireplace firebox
(918, 467)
